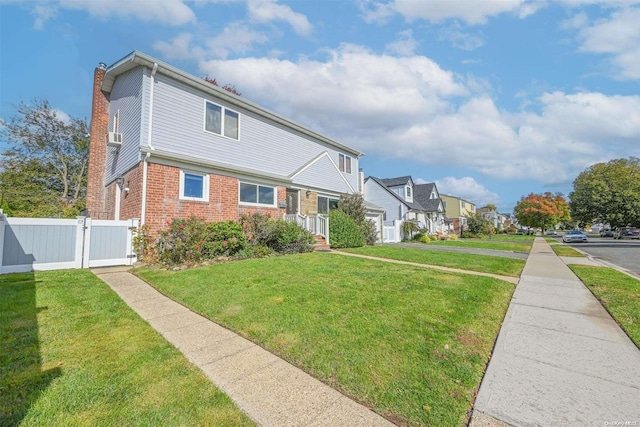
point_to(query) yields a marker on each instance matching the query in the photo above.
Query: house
(428, 197)
(166, 144)
(494, 217)
(457, 210)
(399, 199)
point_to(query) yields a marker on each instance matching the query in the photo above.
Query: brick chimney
(97, 147)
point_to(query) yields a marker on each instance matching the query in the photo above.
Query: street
(624, 253)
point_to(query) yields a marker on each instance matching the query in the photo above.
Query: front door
(292, 201)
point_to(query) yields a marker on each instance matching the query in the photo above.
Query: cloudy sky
(491, 99)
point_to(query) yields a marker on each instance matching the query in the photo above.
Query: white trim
(116, 215)
(275, 195)
(205, 186)
(223, 110)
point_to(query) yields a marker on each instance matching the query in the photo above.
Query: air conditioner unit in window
(114, 139)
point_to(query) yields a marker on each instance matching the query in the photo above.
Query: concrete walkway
(269, 390)
(469, 250)
(560, 359)
(434, 267)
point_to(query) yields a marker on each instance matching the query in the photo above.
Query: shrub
(468, 235)
(418, 237)
(353, 205)
(453, 236)
(343, 231)
(425, 239)
(276, 234)
(192, 240)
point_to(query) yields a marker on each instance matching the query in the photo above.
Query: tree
(542, 210)
(353, 205)
(409, 228)
(228, 87)
(491, 207)
(44, 171)
(608, 192)
(477, 224)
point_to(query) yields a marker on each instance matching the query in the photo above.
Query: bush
(453, 236)
(353, 205)
(276, 234)
(343, 231)
(468, 235)
(425, 239)
(192, 241)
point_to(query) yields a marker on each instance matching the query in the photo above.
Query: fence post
(87, 242)
(3, 222)
(133, 227)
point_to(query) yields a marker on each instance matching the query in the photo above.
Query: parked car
(574, 236)
(626, 233)
(606, 232)
(551, 232)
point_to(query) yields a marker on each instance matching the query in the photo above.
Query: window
(325, 204)
(257, 194)
(344, 163)
(408, 191)
(194, 186)
(219, 120)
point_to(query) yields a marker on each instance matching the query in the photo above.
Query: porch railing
(318, 225)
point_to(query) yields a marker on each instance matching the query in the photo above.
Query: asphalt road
(624, 253)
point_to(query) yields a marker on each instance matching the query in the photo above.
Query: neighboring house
(399, 199)
(166, 144)
(428, 197)
(457, 210)
(495, 218)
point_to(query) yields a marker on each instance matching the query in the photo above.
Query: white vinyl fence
(28, 244)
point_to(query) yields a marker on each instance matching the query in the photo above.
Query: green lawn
(509, 237)
(564, 250)
(619, 293)
(410, 342)
(500, 245)
(73, 354)
(482, 263)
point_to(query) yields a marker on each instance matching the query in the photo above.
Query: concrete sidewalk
(560, 359)
(269, 390)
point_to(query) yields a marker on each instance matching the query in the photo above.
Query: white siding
(126, 97)
(178, 126)
(381, 197)
(323, 174)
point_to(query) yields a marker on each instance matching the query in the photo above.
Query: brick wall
(131, 201)
(98, 149)
(164, 204)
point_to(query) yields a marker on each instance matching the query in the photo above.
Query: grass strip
(472, 262)
(499, 245)
(410, 342)
(564, 250)
(619, 293)
(73, 354)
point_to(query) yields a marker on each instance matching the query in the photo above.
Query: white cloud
(405, 45)
(467, 188)
(62, 116)
(179, 48)
(619, 37)
(167, 12)
(236, 38)
(472, 12)
(459, 39)
(267, 11)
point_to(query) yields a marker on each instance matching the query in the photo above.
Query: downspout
(144, 189)
(153, 75)
(145, 163)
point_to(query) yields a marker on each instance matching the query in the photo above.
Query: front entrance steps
(320, 244)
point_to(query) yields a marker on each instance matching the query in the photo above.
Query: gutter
(153, 76)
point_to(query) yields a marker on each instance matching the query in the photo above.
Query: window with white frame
(325, 204)
(344, 163)
(194, 186)
(257, 194)
(221, 120)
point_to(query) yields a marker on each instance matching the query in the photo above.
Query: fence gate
(28, 244)
(108, 242)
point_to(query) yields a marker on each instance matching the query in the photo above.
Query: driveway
(491, 252)
(623, 253)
